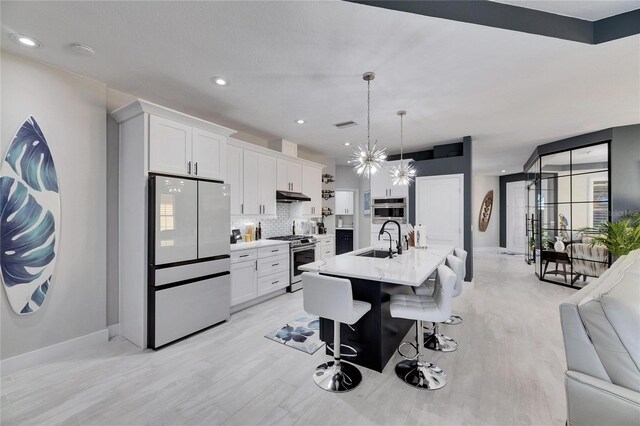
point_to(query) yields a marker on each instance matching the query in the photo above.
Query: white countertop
(256, 244)
(412, 267)
(323, 236)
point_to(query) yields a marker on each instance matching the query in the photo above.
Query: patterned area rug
(303, 334)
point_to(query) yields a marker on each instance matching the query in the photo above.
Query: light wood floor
(507, 370)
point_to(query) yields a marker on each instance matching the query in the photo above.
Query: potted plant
(619, 237)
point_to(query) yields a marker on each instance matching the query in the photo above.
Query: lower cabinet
(256, 272)
(325, 247)
(244, 282)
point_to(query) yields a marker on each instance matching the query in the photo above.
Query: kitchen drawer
(273, 282)
(271, 265)
(327, 243)
(273, 250)
(244, 255)
(327, 252)
(184, 309)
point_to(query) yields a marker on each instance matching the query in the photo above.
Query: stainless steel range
(302, 250)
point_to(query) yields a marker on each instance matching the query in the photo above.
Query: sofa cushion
(611, 316)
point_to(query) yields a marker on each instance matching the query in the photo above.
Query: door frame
(460, 177)
(506, 203)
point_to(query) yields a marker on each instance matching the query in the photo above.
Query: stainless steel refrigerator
(188, 251)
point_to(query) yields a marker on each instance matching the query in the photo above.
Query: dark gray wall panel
(625, 170)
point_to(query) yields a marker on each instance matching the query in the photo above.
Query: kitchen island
(377, 335)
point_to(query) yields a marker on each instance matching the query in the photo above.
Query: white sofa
(601, 328)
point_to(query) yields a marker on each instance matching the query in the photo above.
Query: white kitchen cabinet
(344, 203)
(259, 184)
(289, 176)
(325, 247)
(208, 154)
(312, 187)
(244, 281)
(170, 146)
(235, 178)
(382, 185)
(178, 148)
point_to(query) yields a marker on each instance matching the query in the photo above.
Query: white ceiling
(590, 10)
(510, 91)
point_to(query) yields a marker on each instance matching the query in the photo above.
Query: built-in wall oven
(384, 209)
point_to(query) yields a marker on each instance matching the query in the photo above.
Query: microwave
(383, 209)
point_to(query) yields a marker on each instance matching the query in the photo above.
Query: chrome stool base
(453, 320)
(341, 377)
(423, 375)
(439, 342)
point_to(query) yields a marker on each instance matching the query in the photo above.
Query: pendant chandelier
(368, 159)
(403, 173)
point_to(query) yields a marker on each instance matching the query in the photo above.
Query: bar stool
(437, 341)
(332, 298)
(416, 372)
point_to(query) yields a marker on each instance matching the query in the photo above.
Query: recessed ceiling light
(219, 81)
(347, 143)
(503, 171)
(300, 121)
(25, 40)
(82, 49)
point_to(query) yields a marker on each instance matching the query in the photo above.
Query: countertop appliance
(384, 209)
(302, 250)
(189, 285)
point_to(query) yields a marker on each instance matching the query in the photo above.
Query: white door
(169, 146)
(267, 182)
(213, 219)
(176, 217)
(251, 181)
(209, 158)
(235, 178)
(439, 207)
(244, 282)
(516, 212)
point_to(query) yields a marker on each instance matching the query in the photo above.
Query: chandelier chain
(368, 114)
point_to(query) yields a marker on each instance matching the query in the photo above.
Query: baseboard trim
(51, 353)
(114, 330)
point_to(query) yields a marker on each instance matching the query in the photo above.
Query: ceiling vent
(345, 124)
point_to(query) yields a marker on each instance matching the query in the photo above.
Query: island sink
(378, 254)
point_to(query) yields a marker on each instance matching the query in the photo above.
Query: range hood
(290, 197)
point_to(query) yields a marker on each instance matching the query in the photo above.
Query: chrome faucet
(399, 247)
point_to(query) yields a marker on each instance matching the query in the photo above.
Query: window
(167, 203)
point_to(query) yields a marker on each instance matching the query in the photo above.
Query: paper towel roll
(420, 236)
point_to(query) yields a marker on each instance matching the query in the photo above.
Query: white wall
(71, 112)
(491, 237)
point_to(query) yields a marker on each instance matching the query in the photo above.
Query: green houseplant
(618, 237)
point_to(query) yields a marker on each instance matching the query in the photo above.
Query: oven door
(300, 256)
(384, 212)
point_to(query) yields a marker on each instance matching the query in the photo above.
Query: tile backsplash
(281, 224)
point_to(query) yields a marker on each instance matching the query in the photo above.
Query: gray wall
(71, 111)
(625, 170)
(450, 166)
(113, 167)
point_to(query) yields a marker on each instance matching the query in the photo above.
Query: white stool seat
(359, 309)
(416, 307)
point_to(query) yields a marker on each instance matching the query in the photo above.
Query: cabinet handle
(256, 265)
(195, 168)
(188, 167)
(244, 255)
(275, 282)
(274, 251)
(275, 264)
(242, 208)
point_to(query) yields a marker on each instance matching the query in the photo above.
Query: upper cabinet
(177, 148)
(382, 185)
(289, 176)
(312, 188)
(259, 184)
(235, 177)
(208, 154)
(344, 202)
(176, 143)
